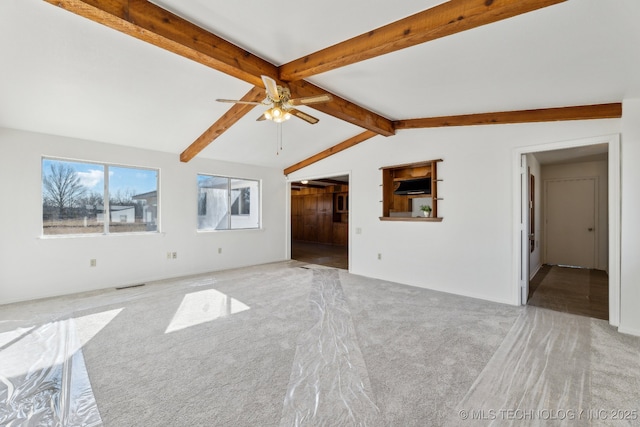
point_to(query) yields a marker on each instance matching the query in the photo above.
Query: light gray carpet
(295, 344)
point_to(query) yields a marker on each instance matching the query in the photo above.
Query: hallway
(571, 290)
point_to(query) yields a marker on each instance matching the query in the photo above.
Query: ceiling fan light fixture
(277, 114)
(282, 106)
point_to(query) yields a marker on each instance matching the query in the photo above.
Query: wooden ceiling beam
(343, 109)
(449, 18)
(583, 112)
(228, 119)
(148, 22)
(331, 151)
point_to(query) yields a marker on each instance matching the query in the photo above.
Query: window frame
(229, 214)
(105, 198)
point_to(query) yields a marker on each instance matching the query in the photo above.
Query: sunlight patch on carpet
(204, 306)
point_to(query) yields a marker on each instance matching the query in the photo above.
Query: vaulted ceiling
(149, 79)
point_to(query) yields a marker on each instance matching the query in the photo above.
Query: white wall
(33, 267)
(630, 212)
(470, 251)
(589, 169)
(535, 257)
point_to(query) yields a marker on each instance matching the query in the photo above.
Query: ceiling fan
(282, 106)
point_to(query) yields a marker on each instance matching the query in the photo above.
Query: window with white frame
(97, 198)
(228, 203)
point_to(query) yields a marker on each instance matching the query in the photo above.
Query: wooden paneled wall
(314, 217)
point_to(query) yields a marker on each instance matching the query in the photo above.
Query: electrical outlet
(219, 250)
(93, 262)
(168, 255)
(379, 256)
(358, 230)
(174, 255)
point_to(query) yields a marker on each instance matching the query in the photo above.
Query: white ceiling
(63, 74)
(587, 153)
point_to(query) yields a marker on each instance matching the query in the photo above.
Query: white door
(570, 220)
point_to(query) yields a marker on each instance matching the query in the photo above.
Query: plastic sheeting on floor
(329, 383)
(43, 378)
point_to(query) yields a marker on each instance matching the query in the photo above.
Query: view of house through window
(227, 203)
(77, 197)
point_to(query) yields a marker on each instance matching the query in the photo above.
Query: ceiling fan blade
(304, 116)
(272, 88)
(233, 101)
(311, 99)
(261, 118)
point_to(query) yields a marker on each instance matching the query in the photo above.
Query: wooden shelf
(409, 218)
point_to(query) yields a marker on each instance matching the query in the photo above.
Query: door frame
(523, 220)
(288, 209)
(520, 221)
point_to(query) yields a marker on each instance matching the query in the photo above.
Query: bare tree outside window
(62, 188)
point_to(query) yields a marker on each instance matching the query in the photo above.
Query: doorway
(577, 274)
(320, 221)
(570, 258)
(569, 280)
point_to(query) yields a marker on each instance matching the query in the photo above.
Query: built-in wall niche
(405, 188)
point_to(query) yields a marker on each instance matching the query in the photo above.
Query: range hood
(413, 186)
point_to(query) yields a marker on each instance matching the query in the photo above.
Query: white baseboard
(532, 275)
(629, 331)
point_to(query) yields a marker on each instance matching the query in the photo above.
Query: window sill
(229, 230)
(95, 235)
